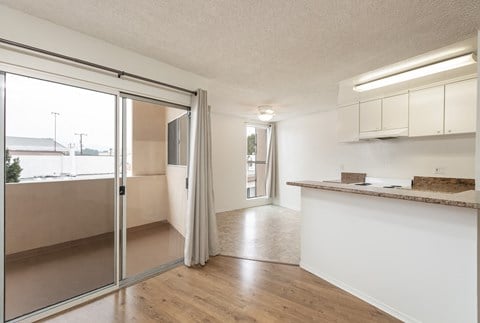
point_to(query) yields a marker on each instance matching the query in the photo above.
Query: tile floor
(268, 233)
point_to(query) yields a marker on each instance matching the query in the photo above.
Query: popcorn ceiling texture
(288, 53)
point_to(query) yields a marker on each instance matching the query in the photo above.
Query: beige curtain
(201, 240)
(271, 161)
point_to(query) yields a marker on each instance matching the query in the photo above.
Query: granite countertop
(468, 199)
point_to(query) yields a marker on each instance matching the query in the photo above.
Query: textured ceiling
(287, 53)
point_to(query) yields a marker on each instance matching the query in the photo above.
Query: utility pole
(81, 135)
(55, 114)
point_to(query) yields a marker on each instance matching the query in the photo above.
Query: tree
(12, 169)
(251, 144)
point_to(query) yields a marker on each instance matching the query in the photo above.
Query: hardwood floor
(227, 290)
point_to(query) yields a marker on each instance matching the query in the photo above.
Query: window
(58, 132)
(256, 161)
(178, 141)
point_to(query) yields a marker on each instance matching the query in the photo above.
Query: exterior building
(21, 146)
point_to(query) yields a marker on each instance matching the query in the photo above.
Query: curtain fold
(201, 238)
(271, 182)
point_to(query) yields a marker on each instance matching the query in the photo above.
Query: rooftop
(33, 144)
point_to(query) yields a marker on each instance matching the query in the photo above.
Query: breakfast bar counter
(468, 199)
(411, 253)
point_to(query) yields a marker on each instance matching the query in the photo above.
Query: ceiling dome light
(265, 113)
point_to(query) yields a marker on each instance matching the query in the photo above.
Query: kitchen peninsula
(411, 253)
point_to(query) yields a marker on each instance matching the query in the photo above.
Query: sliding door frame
(2, 194)
(82, 298)
(120, 163)
(126, 280)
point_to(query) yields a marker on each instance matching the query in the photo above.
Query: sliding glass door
(94, 187)
(154, 192)
(60, 192)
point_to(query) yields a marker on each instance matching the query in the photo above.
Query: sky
(30, 103)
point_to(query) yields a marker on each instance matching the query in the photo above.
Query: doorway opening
(95, 194)
(155, 169)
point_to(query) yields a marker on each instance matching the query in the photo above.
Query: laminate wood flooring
(228, 290)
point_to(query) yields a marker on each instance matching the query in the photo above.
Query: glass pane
(178, 141)
(173, 142)
(256, 161)
(155, 194)
(59, 193)
(261, 144)
(261, 172)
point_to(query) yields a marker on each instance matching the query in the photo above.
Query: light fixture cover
(434, 68)
(265, 113)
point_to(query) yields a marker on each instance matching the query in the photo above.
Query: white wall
(20, 27)
(229, 164)
(147, 200)
(308, 150)
(56, 165)
(176, 174)
(177, 196)
(23, 28)
(41, 165)
(416, 261)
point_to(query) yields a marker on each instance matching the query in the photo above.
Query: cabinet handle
(438, 131)
(449, 130)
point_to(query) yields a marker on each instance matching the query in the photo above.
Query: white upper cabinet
(348, 123)
(426, 112)
(371, 116)
(460, 106)
(444, 109)
(395, 112)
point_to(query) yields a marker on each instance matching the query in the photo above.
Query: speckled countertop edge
(467, 199)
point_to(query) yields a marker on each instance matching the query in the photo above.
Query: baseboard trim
(357, 293)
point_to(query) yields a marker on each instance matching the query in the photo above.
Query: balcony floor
(45, 279)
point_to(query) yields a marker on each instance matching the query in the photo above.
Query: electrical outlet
(439, 170)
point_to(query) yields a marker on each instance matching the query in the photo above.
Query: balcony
(60, 239)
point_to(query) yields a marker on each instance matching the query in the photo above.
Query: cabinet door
(395, 112)
(371, 116)
(347, 123)
(426, 112)
(460, 106)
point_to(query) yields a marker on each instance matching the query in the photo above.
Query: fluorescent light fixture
(412, 63)
(265, 113)
(434, 68)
